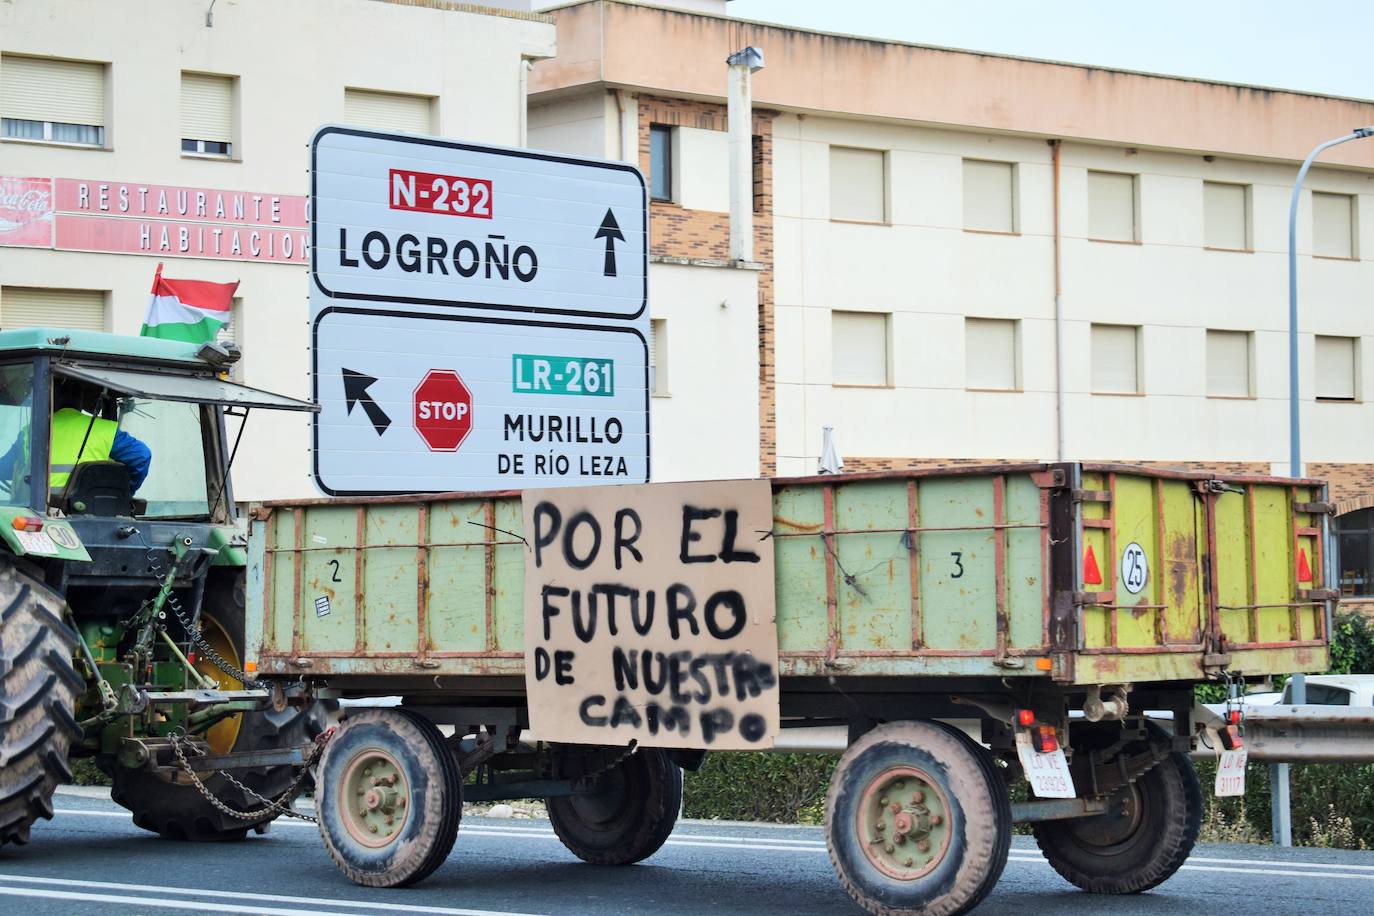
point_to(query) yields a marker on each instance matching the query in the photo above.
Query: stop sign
(443, 410)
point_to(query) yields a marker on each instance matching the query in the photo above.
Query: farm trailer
(1054, 604)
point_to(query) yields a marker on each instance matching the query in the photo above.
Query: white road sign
(424, 221)
(478, 317)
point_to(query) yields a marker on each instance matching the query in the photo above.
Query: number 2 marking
(958, 563)
(334, 576)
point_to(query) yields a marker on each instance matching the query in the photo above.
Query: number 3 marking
(958, 563)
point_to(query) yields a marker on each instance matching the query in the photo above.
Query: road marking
(233, 895)
(494, 830)
(160, 903)
(1288, 869)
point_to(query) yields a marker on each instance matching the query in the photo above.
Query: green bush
(745, 786)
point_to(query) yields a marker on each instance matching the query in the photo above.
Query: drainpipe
(743, 64)
(1059, 449)
(627, 116)
(523, 128)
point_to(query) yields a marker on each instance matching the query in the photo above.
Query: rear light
(1235, 717)
(1230, 738)
(1025, 717)
(27, 523)
(1046, 739)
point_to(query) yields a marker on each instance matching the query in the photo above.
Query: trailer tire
(38, 691)
(950, 834)
(425, 794)
(1140, 843)
(631, 815)
(177, 811)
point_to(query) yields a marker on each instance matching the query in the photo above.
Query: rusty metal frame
(913, 519)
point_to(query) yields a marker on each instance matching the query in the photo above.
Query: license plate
(1231, 773)
(1048, 774)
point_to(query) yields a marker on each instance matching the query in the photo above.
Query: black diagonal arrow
(355, 392)
(610, 231)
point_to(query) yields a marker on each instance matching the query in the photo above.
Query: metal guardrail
(1310, 734)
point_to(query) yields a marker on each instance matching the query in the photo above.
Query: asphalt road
(91, 859)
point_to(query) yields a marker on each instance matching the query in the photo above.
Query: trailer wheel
(389, 798)
(1140, 842)
(630, 815)
(38, 691)
(914, 823)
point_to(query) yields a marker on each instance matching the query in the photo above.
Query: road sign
(443, 410)
(422, 221)
(478, 317)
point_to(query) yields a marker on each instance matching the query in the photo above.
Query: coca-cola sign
(26, 210)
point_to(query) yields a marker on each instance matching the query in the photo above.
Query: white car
(1335, 690)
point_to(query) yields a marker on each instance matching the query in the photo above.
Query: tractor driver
(80, 434)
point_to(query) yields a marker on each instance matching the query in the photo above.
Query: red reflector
(1304, 571)
(27, 523)
(1235, 717)
(1230, 738)
(1091, 574)
(1025, 717)
(1046, 740)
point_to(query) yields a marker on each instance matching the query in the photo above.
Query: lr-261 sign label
(650, 616)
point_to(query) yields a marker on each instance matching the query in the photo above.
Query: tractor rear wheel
(38, 691)
(178, 811)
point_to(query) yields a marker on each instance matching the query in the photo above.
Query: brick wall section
(677, 232)
(1351, 485)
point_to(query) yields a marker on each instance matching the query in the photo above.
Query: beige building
(109, 109)
(971, 257)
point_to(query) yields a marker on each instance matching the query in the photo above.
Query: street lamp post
(1294, 436)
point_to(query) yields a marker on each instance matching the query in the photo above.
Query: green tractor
(122, 612)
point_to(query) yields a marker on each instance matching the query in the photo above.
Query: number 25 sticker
(1135, 568)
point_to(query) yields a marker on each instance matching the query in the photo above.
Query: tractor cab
(110, 442)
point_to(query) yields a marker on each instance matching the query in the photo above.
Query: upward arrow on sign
(610, 231)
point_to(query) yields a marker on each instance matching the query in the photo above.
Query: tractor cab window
(176, 485)
(16, 415)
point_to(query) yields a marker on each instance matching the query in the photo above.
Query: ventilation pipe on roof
(743, 64)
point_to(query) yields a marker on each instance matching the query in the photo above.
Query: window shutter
(1336, 368)
(989, 353)
(988, 193)
(1332, 217)
(1224, 218)
(43, 89)
(857, 184)
(1111, 206)
(389, 110)
(859, 341)
(1228, 364)
(1114, 369)
(207, 104)
(26, 307)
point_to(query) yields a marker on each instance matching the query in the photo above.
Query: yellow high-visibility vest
(69, 428)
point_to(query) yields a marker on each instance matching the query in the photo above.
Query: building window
(1111, 207)
(989, 196)
(1115, 359)
(58, 101)
(859, 341)
(1226, 215)
(858, 184)
(1228, 364)
(1337, 368)
(990, 354)
(390, 111)
(1355, 553)
(658, 357)
(1333, 225)
(757, 171)
(661, 162)
(31, 307)
(207, 114)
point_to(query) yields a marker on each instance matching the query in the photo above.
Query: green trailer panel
(1082, 574)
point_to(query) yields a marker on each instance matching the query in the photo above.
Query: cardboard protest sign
(649, 615)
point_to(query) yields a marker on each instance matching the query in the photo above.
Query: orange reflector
(1304, 571)
(1044, 664)
(1025, 717)
(1091, 574)
(27, 523)
(1046, 740)
(250, 666)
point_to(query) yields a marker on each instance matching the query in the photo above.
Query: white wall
(930, 273)
(293, 61)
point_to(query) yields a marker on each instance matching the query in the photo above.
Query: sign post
(479, 317)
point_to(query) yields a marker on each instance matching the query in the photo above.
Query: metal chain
(195, 635)
(630, 749)
(282, 804)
